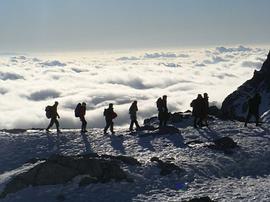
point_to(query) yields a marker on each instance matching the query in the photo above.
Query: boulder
(166, 167)
(214, 110)
(201, 199)
(223, 144)
(61, 169)
(87, 180)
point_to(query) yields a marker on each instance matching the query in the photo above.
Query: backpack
(105, 112)
(114, 115)
(48, 111)
(159, 103)
(77, 110)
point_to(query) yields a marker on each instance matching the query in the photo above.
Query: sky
(78, 25)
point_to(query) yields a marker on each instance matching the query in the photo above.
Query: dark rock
(166, 167)
(235, 105)
(61, 169)
(125, 159)
(87, 180)
(224, 144)
(179, 116)
(147, 127)
(214, 110)
(150, 120)
(14, 131)
(201, 199)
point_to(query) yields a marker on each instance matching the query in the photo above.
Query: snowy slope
(241, 176)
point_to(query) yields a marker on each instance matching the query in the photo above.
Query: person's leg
(50, 124)
(160, 118)
(57, 124)
(84, 123)
(247, 119)
(195, 121)
(257, 118)
(111, 127)
(131, 125)
(107, 126)
(137, 124)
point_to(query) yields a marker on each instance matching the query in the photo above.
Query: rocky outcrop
(14, 131)
(62, 169)
(225, 144)
(201, 199)
(235, 105)
(166, 167)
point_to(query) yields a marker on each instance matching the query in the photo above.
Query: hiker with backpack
(51, 113)
(197, 111)
(109, 116)
(205, 109)
(80, 111)
(163, 114)
(253, 108)
(133, 116)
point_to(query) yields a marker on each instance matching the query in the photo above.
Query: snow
(240, 176)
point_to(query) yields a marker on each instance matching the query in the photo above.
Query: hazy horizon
(81, 25)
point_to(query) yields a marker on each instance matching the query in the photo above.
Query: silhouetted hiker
(133, 116)
(197, 111)
(163, 115)
(253, 108)
(80, 111)
(109, 116)
(51, 112)
(205, 108)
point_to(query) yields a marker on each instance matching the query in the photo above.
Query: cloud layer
(31, 82)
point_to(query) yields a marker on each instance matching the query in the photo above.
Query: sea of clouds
(30, 82)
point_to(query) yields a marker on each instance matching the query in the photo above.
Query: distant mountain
(235, 105)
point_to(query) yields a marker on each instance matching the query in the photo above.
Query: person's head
(111, 105)
(199, 96)
(135, 102)
(164, 97)
(84, 104)
(55, 103)
(205, 95)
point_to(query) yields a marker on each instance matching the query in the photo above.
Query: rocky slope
(235, 105)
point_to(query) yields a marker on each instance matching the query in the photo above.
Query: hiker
(51, 112)
(205, 109)
(80, 111)
(163, 115)
(133, 116)
(253, 108)
(109, 116)
(197, 106)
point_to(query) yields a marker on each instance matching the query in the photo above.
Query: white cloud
(10, 76)
(98, 79)
(237, 49)
(44, 95)
(52, 63)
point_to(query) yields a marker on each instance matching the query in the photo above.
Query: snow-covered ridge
(207, 172)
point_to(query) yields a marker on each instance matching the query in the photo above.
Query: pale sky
(77, 25)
